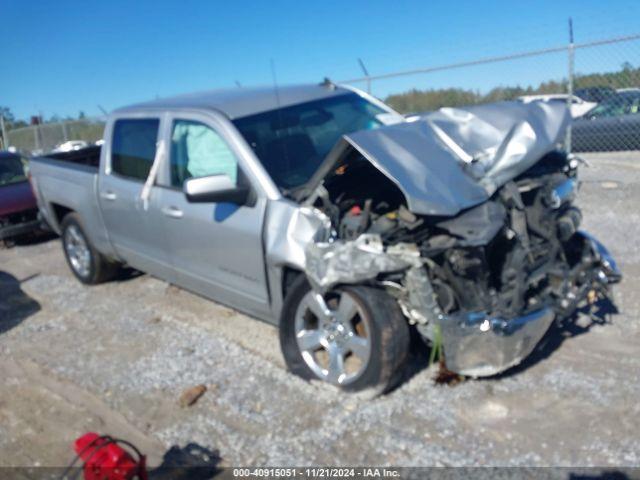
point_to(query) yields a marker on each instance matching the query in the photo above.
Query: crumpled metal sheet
(420, 304)
(474, 343)
(453, 159)
(330, 263)
(304, 225)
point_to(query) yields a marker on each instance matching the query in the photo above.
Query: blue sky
(66, 56)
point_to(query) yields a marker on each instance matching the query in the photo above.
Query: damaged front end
(467, 218)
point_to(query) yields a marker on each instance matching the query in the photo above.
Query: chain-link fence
(599, 80)
(40, 139)
(614, 123)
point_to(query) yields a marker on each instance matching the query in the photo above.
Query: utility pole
(571, 61)
(5, 142)
(366, 74)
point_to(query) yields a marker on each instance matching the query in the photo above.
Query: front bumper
(478, 345)
(609, 271)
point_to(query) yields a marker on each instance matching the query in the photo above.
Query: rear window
(133, 147)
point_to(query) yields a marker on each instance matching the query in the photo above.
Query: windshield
(11, 170)
(620, 104)
(291, 142)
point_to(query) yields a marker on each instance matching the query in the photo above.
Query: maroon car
(18, 208)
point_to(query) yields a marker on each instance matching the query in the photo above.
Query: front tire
(87, 264)
(354, 337)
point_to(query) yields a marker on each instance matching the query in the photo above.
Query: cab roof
(241, 102)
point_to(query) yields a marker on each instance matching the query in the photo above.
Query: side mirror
(215, 188)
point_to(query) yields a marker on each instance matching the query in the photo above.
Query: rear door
(216, 248)
(133, 225)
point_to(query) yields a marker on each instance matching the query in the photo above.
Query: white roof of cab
(241, 102)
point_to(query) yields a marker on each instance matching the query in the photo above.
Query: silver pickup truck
(321, 210)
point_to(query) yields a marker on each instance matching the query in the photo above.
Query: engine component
(562, 193)
(568, 223)
(478, 225)
(384, 224)
(355, 221)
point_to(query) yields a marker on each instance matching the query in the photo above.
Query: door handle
(108, 195)
(173, 212)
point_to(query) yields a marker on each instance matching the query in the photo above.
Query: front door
(216, 248)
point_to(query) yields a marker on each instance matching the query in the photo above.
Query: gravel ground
(115, 358)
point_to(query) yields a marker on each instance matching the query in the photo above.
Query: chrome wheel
(334, 336)
(77, 251)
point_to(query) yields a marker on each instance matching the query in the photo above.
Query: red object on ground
(106, 460)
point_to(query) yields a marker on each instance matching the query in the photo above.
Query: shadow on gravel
(604, 475)
(15, 305)
(418, 359)
(600, 314)
(190, 462)
(30, 239)
(127, 273)
(124, 274)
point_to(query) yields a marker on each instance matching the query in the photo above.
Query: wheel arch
(57, 213)
(289, 276)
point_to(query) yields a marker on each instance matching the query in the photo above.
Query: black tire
(100, 269)
(389, 337)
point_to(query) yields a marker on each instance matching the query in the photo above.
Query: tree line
(416, 100)
(11, 122)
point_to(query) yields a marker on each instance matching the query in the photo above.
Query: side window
(134, 147)
(198, 151)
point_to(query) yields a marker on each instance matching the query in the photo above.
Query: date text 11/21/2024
(316, 472)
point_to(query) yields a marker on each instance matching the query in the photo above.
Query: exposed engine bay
(488, 280)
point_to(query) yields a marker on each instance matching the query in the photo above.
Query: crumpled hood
(453, 159)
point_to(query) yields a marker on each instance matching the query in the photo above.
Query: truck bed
(68, 182)
(89, 156)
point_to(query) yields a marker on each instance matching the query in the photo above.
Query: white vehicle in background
(629, 89)
(71, 145)
(579, 107)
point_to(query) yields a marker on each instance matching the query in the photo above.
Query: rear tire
(378, 322)
(87, 264)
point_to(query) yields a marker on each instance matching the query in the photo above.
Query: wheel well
(60, 212)
(289, 276)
